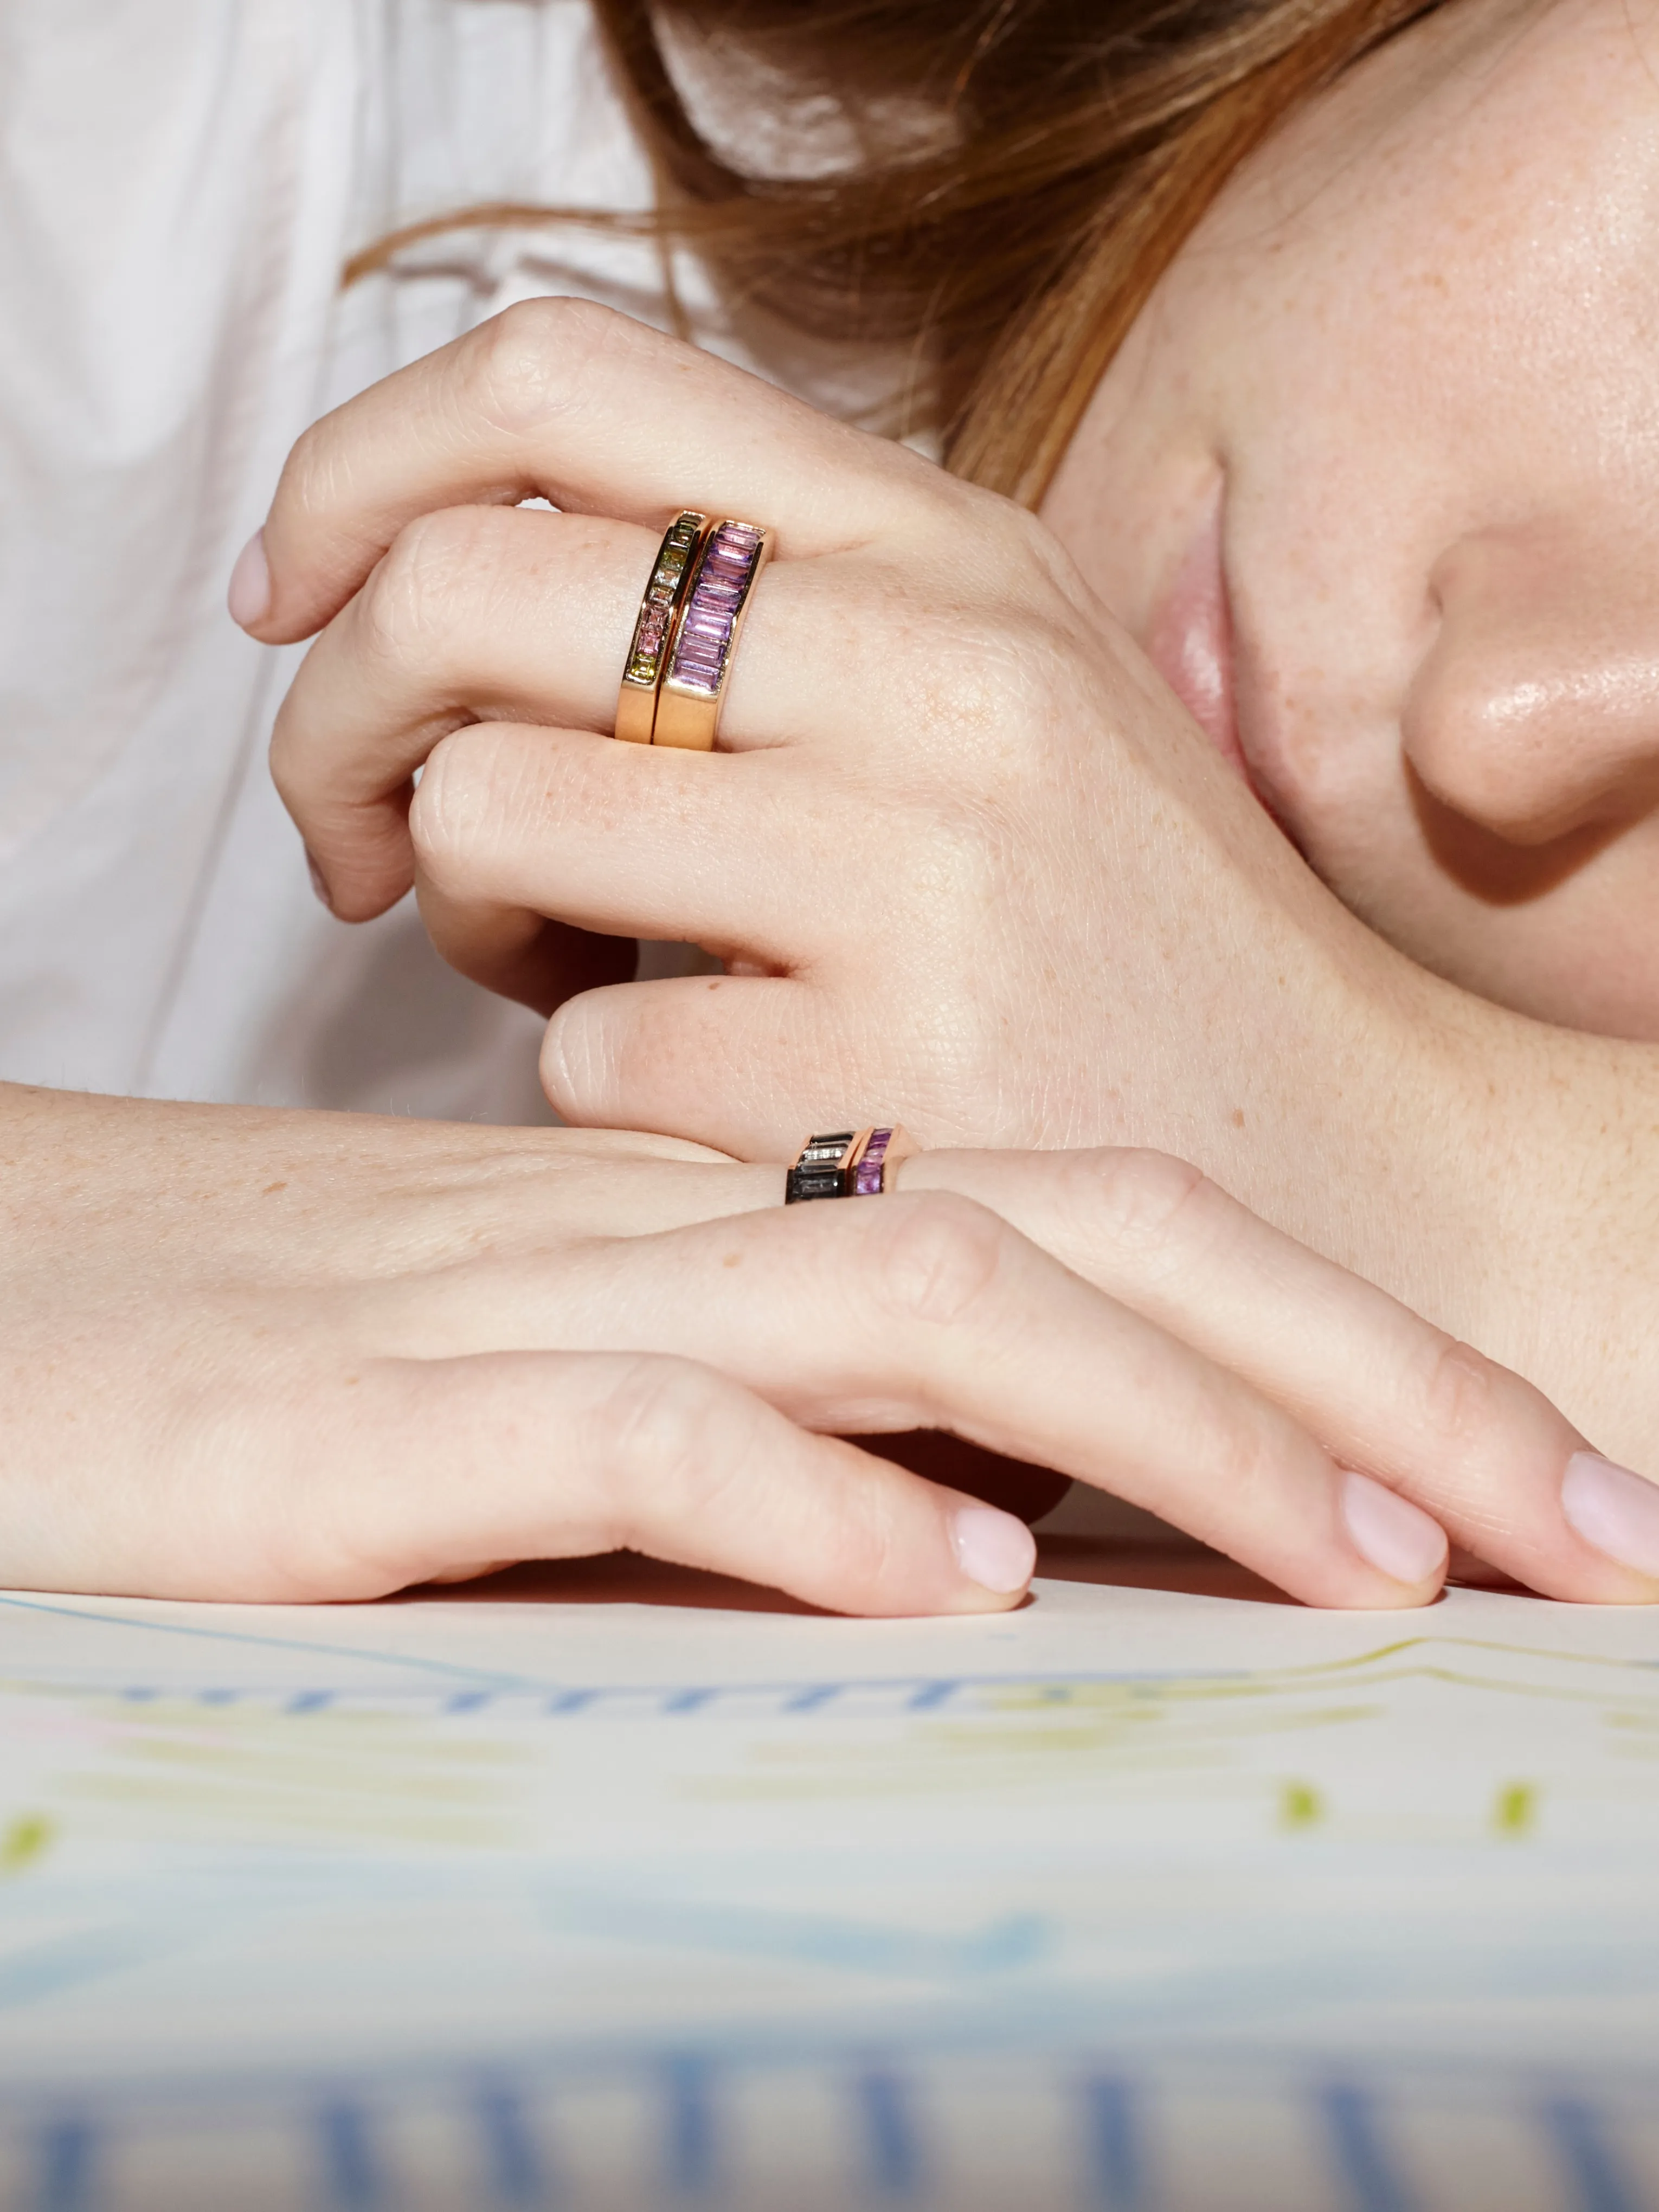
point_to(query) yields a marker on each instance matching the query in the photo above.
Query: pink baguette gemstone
(867, 1176)
(711, 612)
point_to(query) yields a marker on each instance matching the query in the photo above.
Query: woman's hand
(964, 854)
(968, 861)
(285, 1355)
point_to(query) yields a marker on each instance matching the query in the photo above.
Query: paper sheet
(551, 1895)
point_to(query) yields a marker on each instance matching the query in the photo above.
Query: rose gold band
(692, 688)
(848, 1163)
(658, 619)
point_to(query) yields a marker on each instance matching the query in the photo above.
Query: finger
(620, 839)
(1471, 1442)
(475, 615)
(521, 956)
(569, 401)
(930, 1311)
(414, 1470)
(485, 615)
(748, 1064)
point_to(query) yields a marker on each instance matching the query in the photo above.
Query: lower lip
(1190, 641)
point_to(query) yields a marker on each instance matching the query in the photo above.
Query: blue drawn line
(516, 2165)
(61, 1962)
(894, 2148)
(690, 2147)
(687, 1701)
(348, 2156)
(217, 1697)
(921, 1694)
(468, 1701)
(1374, 2181)
(68, 2158)
(1599, 2182)
(809, 1700)
(1114, 2143)
(309, 1701)
(998, 1946)
(445, 1667)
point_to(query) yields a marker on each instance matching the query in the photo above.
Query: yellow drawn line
(1300, 1806)
(28, 1838)
(1515, 1812)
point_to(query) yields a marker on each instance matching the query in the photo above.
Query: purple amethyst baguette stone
(867, 1178)
(712, 608)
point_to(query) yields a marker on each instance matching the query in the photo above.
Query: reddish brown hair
(1023, 172)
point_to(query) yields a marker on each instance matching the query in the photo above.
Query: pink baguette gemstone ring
(693, 688)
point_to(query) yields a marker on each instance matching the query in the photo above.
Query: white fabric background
(180, 182)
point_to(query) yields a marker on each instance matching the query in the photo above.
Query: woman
(552, 400)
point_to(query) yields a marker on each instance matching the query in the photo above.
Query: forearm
(1564, 1141)
(1499, 1175)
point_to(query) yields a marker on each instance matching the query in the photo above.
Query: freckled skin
(1403, 377)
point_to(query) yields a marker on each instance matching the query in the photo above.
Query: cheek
(1138, 478)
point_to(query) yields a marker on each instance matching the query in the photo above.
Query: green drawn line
(28, 1838)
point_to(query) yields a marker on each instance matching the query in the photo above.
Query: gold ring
(705, 638)
(848, 1164)
(660, 614)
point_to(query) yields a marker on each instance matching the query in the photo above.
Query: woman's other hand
(269, 1356)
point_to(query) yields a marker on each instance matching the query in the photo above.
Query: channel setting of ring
(847, 1164)
(660, 612)
(701, 649)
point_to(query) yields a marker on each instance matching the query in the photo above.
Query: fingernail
(1613, 1510)
(1398, 1538)
(992, 1549)
(249, 596)
(319, 881)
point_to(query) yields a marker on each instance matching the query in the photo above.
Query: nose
(1535, 713)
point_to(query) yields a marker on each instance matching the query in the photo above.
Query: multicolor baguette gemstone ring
(848, 1164)
(693, 688)
(661, 611)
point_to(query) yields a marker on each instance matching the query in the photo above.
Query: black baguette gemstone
(814, 1183)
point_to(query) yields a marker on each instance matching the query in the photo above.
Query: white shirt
(180, 184)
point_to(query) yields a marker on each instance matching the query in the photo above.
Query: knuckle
(1034, 564)
(311, 478)
(1254, 1466)
(1000, 698)
(295, 758)
(956, 864)
(665, 1441)
(1140, 1198)
(416, 598)
(1462, 1392)
(1022, 537)
(524, 365)
(937, 1255)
